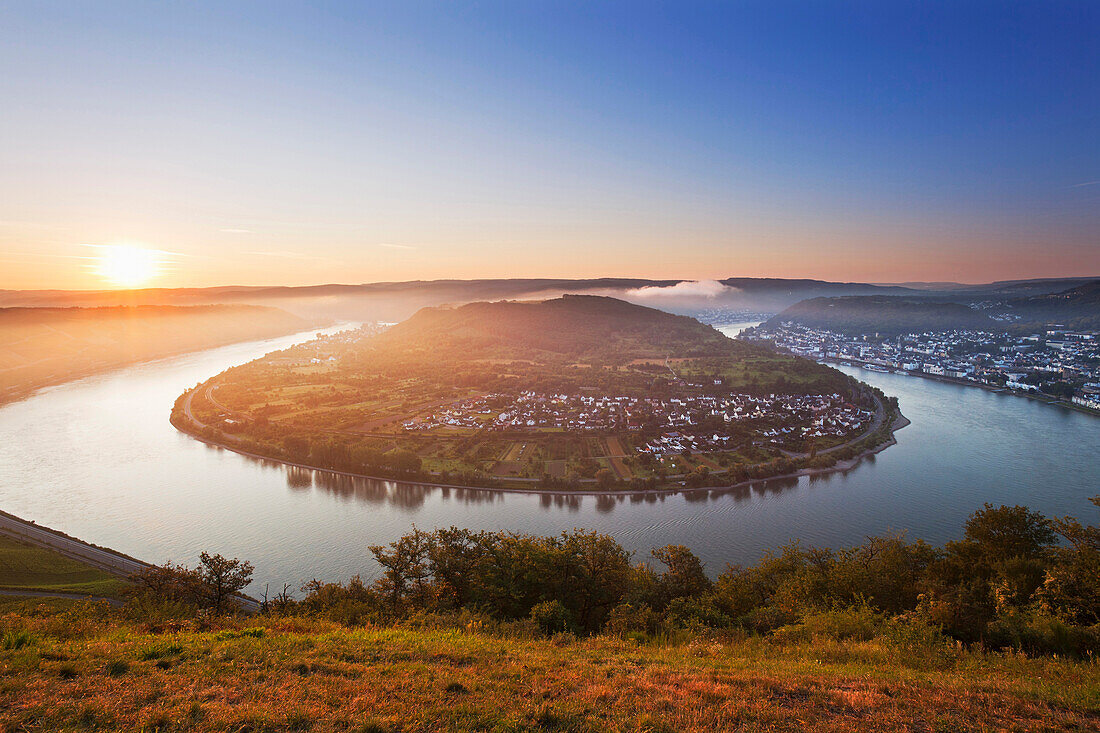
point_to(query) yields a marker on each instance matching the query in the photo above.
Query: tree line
(1016, 579)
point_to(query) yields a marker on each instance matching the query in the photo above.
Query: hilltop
(574, 327)
(498, 631)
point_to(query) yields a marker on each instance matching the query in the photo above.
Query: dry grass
(88, 670)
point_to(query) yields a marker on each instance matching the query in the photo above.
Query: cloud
(685, 289)
(286, 255)
(396, 246)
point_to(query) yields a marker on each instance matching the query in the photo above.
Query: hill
(1077, 307)
(396, 301)
(546, 394)
(884, 315)
(573, 327)
(44, 346)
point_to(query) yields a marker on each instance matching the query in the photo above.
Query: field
(68, 667)
(23, 567)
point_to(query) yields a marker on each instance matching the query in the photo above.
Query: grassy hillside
(24, 567)
(43, 346)
(86, 668)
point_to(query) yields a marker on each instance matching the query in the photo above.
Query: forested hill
(1077, 307)
(575, 327)
(884, 315)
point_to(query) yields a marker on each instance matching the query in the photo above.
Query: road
(98, 557)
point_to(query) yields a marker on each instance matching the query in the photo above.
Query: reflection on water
(412, 496)
(98, 459)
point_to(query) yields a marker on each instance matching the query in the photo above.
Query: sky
(199, 144)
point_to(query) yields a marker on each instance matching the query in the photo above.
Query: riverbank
(899, 422)
(943, 379)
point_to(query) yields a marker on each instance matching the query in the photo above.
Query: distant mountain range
(395, 301)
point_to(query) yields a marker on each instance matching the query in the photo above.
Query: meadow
(84, 667)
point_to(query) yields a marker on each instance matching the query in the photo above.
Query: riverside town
(1055, 363)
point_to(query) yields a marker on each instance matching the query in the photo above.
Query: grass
(25, 567)
(299, 674)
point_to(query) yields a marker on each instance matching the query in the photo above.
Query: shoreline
(900, 422)
(1033, 396)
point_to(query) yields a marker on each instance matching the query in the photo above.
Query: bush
(855, 622)
(628, 619)
(552, 617)
(696, 613)
(1036, 632)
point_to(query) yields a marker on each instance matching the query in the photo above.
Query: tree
(222, 578)
(683, 575)
(1006, 532)
(1072, 585)
(169, 583)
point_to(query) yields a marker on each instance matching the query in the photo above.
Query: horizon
(197, 145)
(260, 286)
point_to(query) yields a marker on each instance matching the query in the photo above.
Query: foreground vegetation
(501, 632)
(86, 668)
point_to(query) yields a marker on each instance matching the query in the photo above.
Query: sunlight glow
(128, 266)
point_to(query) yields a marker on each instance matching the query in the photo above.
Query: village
(696, 423)
(1057, 362)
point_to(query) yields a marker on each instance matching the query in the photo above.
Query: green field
(25, 567)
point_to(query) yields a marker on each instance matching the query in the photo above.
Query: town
(696, 422)
(1056, 363)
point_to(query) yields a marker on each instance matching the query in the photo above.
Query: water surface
(98, 459)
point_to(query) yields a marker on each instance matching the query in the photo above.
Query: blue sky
(262, 143)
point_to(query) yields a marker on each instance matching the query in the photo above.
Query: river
(97, 458)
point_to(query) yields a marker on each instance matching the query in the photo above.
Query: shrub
(627, 619)
(855, 622)
(552, 617)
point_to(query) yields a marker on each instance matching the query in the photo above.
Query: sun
(127, 266)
